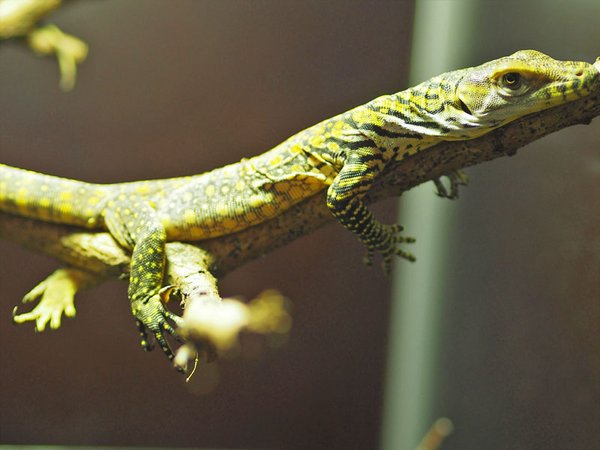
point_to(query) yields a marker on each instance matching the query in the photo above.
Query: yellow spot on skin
(276, 160)
(65, 208)
(240, 186)
(22, 199)
(189, 216)
(317, 140)
(21, 192)
(333, 146)
(166, 221)
(255, 201)
(141, 189)
(210, 190)
(222, 209)
(225, 189)
(45, 202)
(93, 201)
(65, 196)
(363, 115)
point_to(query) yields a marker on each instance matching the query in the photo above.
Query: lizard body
(343, 155)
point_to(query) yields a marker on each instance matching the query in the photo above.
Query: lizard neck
(397, 124)
(412, 120)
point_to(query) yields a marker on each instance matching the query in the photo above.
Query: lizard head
(505, 89)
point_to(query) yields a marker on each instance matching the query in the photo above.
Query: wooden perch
(192, 268)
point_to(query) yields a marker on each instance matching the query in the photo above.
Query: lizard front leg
(456, 179)
(344, 200)
(135, 225)
(56, 294)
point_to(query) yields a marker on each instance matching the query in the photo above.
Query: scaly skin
(343, 155)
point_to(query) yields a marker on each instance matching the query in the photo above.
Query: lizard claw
(151, 315)
(368, 258)
(394, 250)
(388, 245)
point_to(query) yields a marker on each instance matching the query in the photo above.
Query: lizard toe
(151, 316)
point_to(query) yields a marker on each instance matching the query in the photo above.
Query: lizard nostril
(579, 73)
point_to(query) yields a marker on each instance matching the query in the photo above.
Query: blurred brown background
(173, 88)
(179, 87)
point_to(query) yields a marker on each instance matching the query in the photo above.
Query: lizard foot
(151, 315)
(56, 294)
(388, 245)
(457, 178)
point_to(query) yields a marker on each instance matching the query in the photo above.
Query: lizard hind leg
(134, 223)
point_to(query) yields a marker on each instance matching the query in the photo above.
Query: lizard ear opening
(464, 107)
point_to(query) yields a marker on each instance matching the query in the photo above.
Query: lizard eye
(512, 80)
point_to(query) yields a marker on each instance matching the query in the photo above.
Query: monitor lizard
(342, 155)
